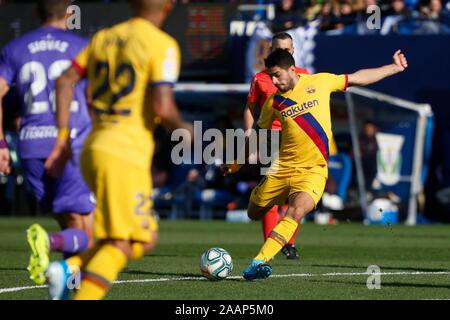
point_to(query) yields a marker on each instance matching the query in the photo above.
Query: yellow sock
(74, 262)
(80, 260)
(102, 269)
(277, 238)
(137, 250)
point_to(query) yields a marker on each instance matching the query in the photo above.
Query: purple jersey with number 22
(30, 65)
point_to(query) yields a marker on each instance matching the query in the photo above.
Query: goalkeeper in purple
(30, 65)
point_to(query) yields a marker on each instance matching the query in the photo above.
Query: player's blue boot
(58, 274)
(257, 269)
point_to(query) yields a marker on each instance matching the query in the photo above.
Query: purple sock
(69, 241)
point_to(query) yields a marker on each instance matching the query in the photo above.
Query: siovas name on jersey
(48, 44)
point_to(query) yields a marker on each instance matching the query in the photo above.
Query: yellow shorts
(273, 190)
(123, 192)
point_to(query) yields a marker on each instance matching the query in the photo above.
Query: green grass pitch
(414, 263)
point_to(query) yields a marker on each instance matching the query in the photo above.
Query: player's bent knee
(68, 220)
(75, 220)
(255, 215)
(148, 247)
(122, 245)
(255, 212)
(83, 222)
(297, 213)
(252, 215)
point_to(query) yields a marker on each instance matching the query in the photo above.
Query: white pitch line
(333, 274)
(20, 288)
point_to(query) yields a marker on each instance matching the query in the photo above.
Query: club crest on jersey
(310, 90)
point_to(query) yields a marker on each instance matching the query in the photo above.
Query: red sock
(292, 241)
(269, 221)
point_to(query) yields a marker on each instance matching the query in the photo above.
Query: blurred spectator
(431, 9)
(432, 12)
(287, 15)
(213, 175)
(346, 14)
(369, 149)
(383, 5)
(327, 17)
(184, 195)
(398, 8)
(161, 159)
(395, 14)
(249, 176)
(412, 4)
(314, 10)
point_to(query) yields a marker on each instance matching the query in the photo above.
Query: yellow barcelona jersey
(304, 113)
(122, 63)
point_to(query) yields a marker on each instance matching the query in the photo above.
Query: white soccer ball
(216, 264)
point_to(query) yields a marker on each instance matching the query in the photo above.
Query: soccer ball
(216, 264)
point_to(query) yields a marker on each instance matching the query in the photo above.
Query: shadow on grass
(414, 285)
(24, 269)
(154, 255)
(163, 274)
(168, 274)
(383, 268)
(387, 284)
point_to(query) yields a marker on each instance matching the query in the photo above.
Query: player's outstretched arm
(61, 152)
(365, 77)
(5, 164)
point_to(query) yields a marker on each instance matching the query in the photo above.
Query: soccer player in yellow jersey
(131, 68)
(300, 171)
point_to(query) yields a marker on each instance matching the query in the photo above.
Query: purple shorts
(66, 194)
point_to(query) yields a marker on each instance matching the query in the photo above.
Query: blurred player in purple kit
(30, 65)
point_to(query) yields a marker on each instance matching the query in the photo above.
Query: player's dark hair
(147, 5)
(369, 122)
(52, 9)
(280, 58)
(281, 36)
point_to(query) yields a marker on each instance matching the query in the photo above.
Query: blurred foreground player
(261, 89)
(131, 68)
(299, 174)
(31, 64)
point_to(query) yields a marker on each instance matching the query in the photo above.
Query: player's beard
(283, 88)
(286, 87)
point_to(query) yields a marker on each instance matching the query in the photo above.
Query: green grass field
(414, 262)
